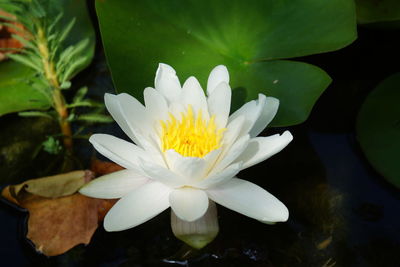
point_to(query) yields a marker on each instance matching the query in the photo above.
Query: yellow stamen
(191, 136)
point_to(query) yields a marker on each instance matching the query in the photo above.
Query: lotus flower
(186, 150)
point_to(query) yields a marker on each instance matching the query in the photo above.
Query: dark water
(342, 213)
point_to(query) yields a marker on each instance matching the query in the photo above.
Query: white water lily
(187, 149)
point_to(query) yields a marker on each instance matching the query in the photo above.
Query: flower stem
(59, 102)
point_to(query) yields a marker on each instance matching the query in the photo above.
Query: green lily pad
(16, 89)
(372, 11)
(249, 37)
(378, 128)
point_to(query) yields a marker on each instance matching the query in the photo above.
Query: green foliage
(249, 37)
(21, 90)
(95, 118)
(378, 128)
(52, 145)
(58, 43)
(372, 11)
(46, 39)
(35, 114)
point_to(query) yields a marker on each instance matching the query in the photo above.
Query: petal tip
(288, 135)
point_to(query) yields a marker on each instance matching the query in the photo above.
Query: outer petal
(261, 148)
(137, 207)
(218, 74)
(219, 104)
(250, 200)
(114, 185)
(268, 113)
(120, 151)
(189, 204)
(114, 108)
(167, 83)
(192, 94)
(133, 112)
(251, 111)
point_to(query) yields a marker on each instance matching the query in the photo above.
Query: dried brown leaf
(59, 218)
(53, 186)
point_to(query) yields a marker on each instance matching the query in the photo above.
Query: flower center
(192, 136)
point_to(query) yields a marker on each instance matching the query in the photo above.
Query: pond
(342, 212)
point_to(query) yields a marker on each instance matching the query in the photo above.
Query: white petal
(114, 108)
(232, 153)
(192, 94)
(250, 200)
(231, 134)
(114, 185)
(152, 148)
(261, 148)
(161, 174)
(251, 112)
(167, 83)
(176, 109)
(218, 74)
(120, 151)
(133, 114)
(219, 104)
(220, 177)
(211, 159)
(156, 105)
(190, 168)
(268, 113)
(233, 131)
(189, 204)
(137, 207)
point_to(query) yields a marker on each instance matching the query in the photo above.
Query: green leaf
(35, 114)
(246, 36)
(372, 11)
(378, 128)
(75, 60)
(65, 85)
(80, 94)
(81, 30)
(95, 118)
(25, 60)
(17, 92)
(67, 29)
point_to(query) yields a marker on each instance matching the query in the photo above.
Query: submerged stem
(59, 103)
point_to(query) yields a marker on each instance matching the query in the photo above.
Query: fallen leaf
(59, 218)
(53, 186)
(57, 225)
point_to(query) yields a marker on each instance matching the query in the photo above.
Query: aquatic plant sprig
(46, 51)
(187, 153)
